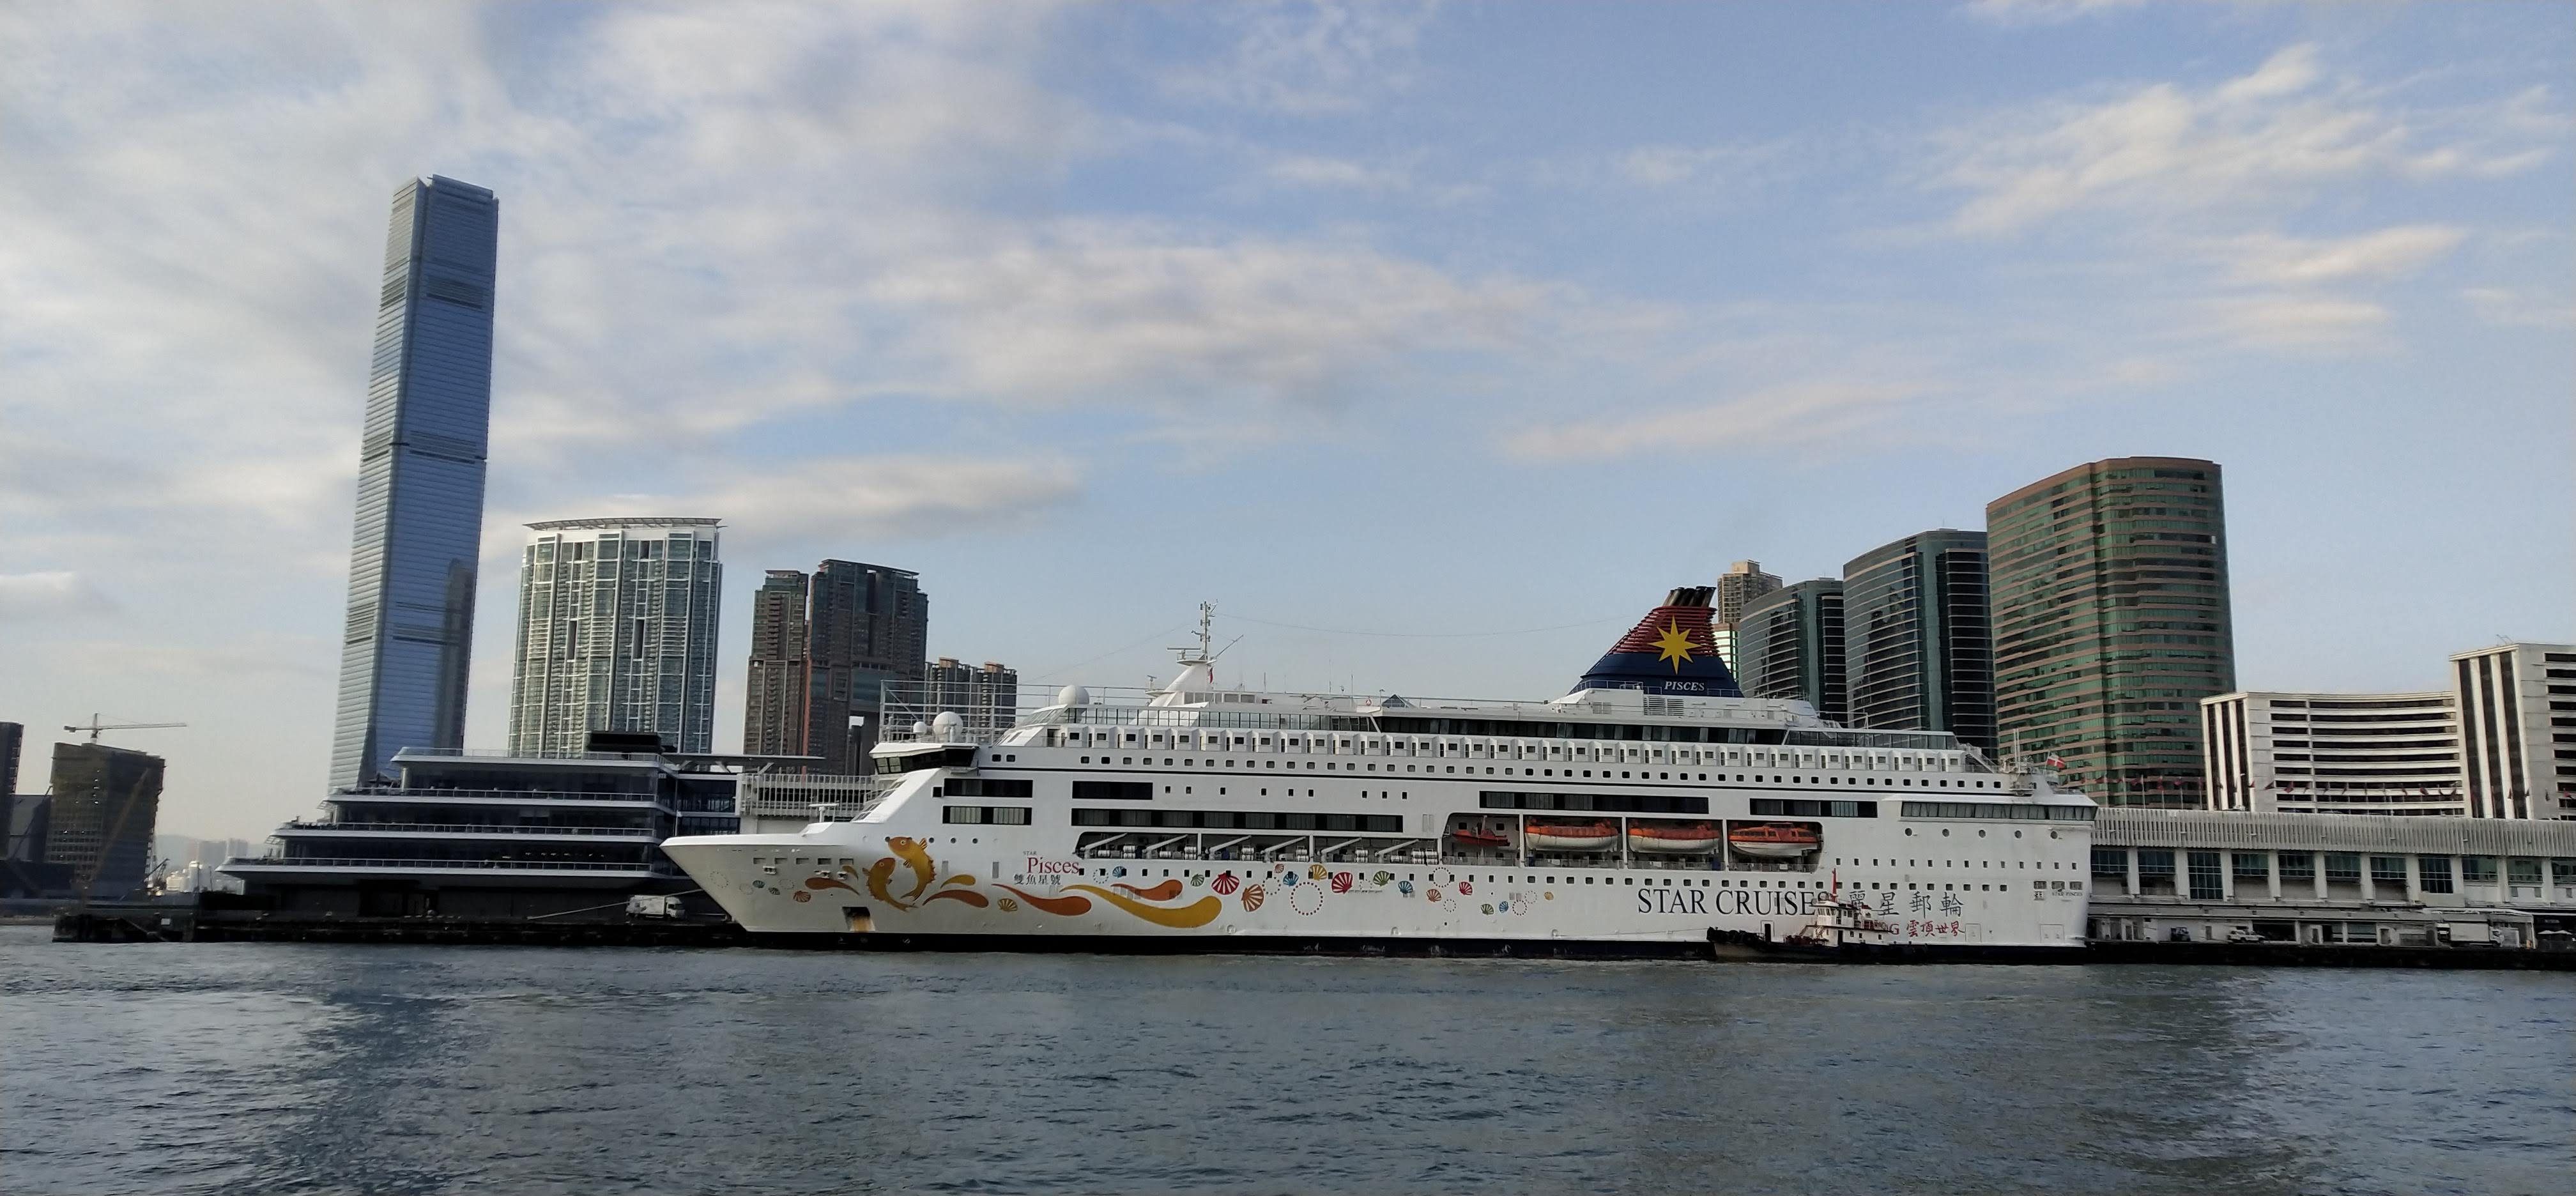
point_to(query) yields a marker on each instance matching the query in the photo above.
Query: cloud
(2276, 130)
(2298, 322)
(1674, 165)
(2271, 260)
(1779, 416)
(1088, 310)
(1310, 59)
(54, 594)
(2520, 309)
(1310, 171)
(833, 499)
(2016, 13)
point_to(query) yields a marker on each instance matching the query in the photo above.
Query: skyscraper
(13, 739)
(869, 625)
(1916, 639)
(105, 800)
(410, 626)
(987, 699)
(2111, 622)
(617, 632)
(823, 648)
(1791, 642)
(773, 706)
(1742, 582)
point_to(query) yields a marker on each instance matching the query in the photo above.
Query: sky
(1432, 343)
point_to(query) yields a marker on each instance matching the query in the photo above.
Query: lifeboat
(1468, 836)
(1570, 836)
(1774, 841)
(1694, 837)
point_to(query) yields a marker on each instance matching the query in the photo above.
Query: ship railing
(470, 865)
(427, 753)
(432, 794)
(471, 828)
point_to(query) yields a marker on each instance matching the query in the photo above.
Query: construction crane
(94, 727)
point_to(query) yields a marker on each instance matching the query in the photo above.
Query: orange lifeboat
(1698, 836)
(1774, 840)
(1570, 836)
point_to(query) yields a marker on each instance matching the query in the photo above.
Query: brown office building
(2111, 623)
(823, 647)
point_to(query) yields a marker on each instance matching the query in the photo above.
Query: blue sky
(1439, 320)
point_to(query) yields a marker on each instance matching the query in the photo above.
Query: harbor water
(238, 1068)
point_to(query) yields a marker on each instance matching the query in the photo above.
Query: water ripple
(315, 1069)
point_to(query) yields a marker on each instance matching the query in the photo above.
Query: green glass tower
(2111, 623)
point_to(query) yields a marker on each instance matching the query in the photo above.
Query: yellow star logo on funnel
(1674, 645)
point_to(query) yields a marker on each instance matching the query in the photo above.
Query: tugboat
(1844, 922)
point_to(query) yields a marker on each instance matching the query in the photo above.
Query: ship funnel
(1670, 651)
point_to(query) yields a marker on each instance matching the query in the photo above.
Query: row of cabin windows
(986, 815)
(1248, 820)
(1630, 774)
(1378, 745)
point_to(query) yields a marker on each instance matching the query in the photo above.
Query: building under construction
(99, 822)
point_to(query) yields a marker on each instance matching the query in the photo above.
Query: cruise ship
(1653, 810)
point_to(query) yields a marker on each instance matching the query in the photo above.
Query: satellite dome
(920, 729)
(946, 724)
(1073, 695)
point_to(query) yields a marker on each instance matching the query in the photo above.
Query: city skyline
(1131, 309)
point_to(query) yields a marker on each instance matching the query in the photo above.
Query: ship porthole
(1945, 832)
(1909, 830)
(1981, 834)
(2016, 834)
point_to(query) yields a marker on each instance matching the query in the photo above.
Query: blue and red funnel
(1671, 651)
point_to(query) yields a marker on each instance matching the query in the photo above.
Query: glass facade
(617, 632)
(409, 632)
(1789, 644)
(1916, 643)
(2111, 623)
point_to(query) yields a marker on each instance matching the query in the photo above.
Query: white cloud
(1306, 170)
(2521, 309)
(2272, 260)
(2298, 322)
(1737, 165)
(2276, 130)
(53, 594)
(1780, 416)
(835, 499)
(2042, 12)
(1089, 310)
(877, 498)
(1310, 58)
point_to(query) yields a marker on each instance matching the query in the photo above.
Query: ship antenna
(1206, 636)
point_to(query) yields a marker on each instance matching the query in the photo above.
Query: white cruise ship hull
(1200, 818)
(906, 875)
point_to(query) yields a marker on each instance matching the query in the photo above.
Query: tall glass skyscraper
(410, 630)
(617, 632)
(1915, 636)
(1791, 643)
(2111, 623)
